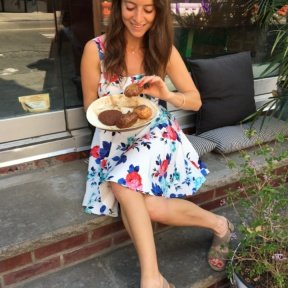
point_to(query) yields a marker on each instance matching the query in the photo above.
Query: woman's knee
(123, 194)
(156, 208)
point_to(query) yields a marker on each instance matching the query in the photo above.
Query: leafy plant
(261, 203)
(272, 15)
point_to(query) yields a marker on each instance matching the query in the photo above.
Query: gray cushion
(201, 145)
(234, 138)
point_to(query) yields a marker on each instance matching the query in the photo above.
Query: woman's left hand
(154, 86)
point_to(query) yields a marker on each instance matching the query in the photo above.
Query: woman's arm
(187, 97)
(90, 73)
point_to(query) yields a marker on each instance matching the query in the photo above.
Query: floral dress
(156, 160)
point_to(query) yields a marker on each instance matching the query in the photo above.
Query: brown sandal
(219, 249)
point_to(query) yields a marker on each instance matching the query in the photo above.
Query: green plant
(272, 15)
(261, 203)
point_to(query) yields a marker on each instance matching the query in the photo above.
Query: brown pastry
(126, 120)
(133, 90)
(143, 111)
(109, 117)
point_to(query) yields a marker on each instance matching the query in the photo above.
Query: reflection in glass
(28, 58)
(74, 27)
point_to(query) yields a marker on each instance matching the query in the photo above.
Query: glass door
(32, 102)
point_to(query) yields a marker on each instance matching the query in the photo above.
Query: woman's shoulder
(95, 44)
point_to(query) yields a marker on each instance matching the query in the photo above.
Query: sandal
(218, 252)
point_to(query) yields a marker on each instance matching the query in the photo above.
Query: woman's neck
(133, 44)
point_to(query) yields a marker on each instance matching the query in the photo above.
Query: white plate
(123, 104)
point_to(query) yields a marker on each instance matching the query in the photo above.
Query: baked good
(126, 120)
(143, 111)
(109, 117)
(133, 90)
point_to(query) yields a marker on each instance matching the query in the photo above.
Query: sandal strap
(220, 241)
(219, 248)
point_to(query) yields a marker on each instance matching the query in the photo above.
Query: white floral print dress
(156, 160)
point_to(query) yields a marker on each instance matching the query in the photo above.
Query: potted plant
(261, 257)
(272, 15)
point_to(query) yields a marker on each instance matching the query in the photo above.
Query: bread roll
(143, 111)
(133, 90)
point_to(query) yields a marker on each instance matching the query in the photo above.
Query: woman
(157, 161)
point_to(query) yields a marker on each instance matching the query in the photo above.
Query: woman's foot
(218, 252)
(157, 283)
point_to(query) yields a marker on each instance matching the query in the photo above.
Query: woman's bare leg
(126, 224)
(180, 212)
(138, 222)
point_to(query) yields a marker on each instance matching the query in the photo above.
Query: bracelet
(183, 101)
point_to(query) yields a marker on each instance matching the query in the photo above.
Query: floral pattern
(156, 160)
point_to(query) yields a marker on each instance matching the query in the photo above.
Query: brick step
(182, 254)
(44, 229)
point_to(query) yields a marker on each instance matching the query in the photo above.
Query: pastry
(143, 111)
(133, 90)
(109, 117)
(126, 120)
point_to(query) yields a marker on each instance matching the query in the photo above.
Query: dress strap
(100, 46)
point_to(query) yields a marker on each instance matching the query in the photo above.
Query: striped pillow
(233, 138)
(201, 145)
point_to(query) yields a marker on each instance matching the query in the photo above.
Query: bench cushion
(226, 87)
(234, 138)
(201, 145)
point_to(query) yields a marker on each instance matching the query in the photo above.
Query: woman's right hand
(155, 86)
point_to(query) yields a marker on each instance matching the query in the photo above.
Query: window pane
(29, 64)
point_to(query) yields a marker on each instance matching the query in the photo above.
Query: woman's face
(138, 16)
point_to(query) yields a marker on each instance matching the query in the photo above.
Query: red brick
(72, 156)
(222, 191)
(86, 252)
(31, 271)
(281, 170)
(107, 230)
(202, 197)
(57, 247)
(121, 237)
(212, 205)
(15, 262)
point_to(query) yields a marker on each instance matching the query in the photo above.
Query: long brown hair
(158, 41)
